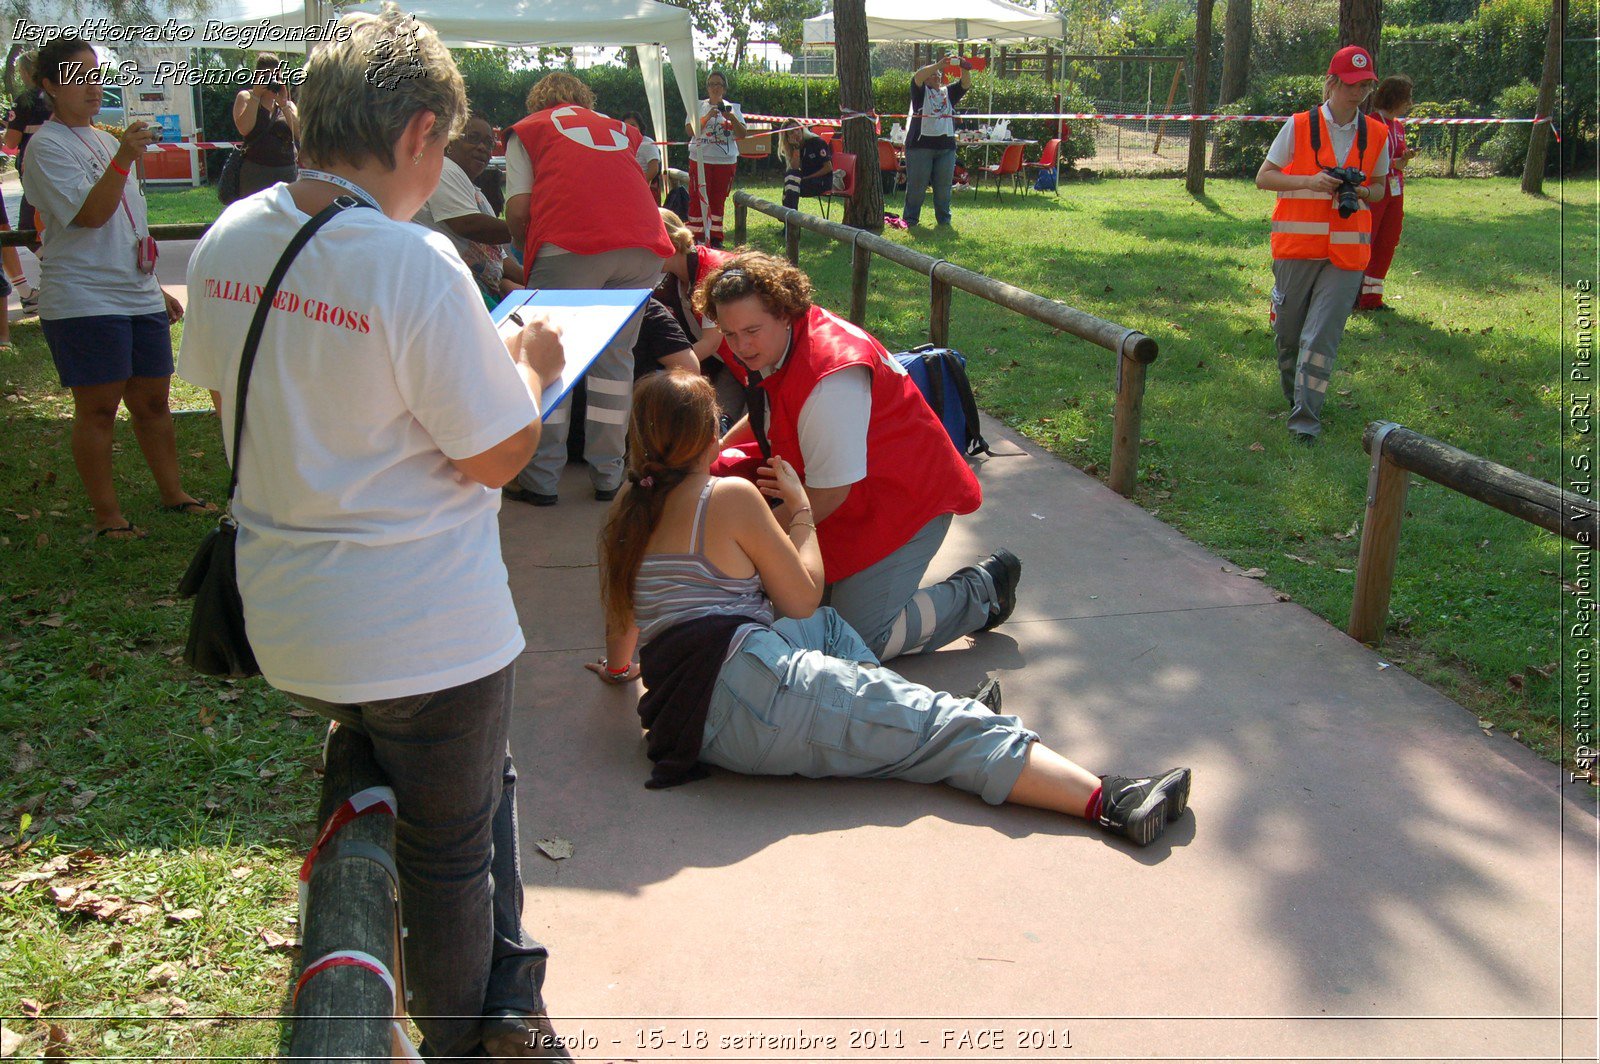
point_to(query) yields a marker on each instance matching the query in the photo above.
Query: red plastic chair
(844, 163)
(889, 163)
(1048, 160)
(1010, 165)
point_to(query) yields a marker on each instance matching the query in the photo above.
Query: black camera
(1350, 178)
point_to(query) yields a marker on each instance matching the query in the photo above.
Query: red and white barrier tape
(360, 804)
(401, 1047)
(1119, 117)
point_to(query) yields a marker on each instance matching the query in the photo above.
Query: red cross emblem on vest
(589, 129)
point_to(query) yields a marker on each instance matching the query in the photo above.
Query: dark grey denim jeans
(448, 760)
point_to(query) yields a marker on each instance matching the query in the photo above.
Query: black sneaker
(532, 498)
(522, 1036)
(1140, 809)
(605, 494)
(1005, 569)
(988, 693)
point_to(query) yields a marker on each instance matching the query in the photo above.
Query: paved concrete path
(1364, 873)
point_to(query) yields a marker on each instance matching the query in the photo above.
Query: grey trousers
(895, 616)
(610, 379)
(807, 698)
(1311, 301)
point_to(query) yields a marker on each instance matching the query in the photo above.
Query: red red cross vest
(589, 194)
(914, 472)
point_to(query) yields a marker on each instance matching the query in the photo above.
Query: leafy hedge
(1240, 146)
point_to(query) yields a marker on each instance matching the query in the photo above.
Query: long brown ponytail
(674, 421)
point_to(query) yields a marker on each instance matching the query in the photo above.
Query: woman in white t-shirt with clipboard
(105, 316)
(713, 159)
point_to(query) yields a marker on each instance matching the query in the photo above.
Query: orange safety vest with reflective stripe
(1306, 224)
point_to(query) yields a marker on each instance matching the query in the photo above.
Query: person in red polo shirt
(557, 160)
(883, 477)
(1318, 253)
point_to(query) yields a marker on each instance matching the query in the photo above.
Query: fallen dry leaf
(24, 758)
(164, 974)
(10, 1041)
(300, 714)
(55, 620)
(277, 943)
(30, 1008)
(1282, 596)
(1349, 533)
(1546, 671)
(1258, 446)
(1254, 574)
(555, 849)
(41, 541)
(182, 916)
(205, 715)
(83, 798)
(1297, 558)
(1515, 681)
(55, 1045)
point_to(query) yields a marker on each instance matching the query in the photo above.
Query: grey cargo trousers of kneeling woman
(806, 697)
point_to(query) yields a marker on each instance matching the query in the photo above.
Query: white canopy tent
(649, 26)
(941, 20)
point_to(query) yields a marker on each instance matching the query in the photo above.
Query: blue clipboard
(589, 319)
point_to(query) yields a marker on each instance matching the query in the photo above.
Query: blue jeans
(923, 165)
(447, 758)
(807, 698)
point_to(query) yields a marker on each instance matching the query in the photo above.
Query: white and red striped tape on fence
(1082, 116)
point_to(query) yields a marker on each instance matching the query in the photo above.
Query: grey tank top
(673, 588)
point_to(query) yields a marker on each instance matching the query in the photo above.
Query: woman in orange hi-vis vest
(1320, 249)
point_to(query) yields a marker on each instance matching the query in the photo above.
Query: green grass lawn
(1470, 355)
(195, 795)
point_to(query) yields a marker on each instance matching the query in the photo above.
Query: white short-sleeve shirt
(716, 141)
(833, 428)
(369, 566)
(458, 197)
(86, 271)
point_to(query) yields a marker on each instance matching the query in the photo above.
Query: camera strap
(1316, 136)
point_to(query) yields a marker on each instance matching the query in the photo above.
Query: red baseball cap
(1351, 64)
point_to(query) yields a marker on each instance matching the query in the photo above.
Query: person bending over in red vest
(571, 240)
(1390, 104)
(1322, 230)
(883, 477)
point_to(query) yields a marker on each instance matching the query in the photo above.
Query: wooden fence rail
(346, 1012)
(1397, 451)
(1134, 350)
(19, 238)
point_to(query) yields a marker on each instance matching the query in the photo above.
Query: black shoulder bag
(218, 645)
(228, 180)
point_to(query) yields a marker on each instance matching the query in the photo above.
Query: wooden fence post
(860, 264)
(346, 1012)
(1455, 136)
(1125, 425)
(938, 308)
(1380, 541)
(791, 242)
(741, 214)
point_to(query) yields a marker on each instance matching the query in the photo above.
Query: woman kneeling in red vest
(883, 478)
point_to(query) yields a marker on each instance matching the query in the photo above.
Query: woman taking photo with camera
(713, 159)
(743, 671)
(105, 316)
(1322, 230)
(267, 120)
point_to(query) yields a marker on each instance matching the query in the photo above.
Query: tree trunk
(1361, 22)
(1539, 140)
(1236, 51)
(1195, 181)
(853, 57)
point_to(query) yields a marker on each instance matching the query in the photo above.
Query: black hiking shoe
(511, 1035)
(1140, 809)
(1005, 569)
(988, 693)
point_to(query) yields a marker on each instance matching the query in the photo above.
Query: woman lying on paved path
(744, 671)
